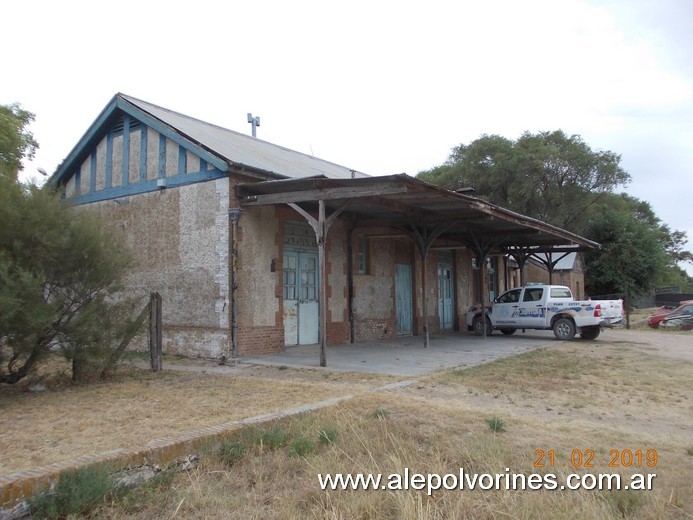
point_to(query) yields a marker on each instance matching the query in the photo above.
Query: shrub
(302, 446)
(274, 438)
(380, 413)
(496, 424)
(230, 453)
(327, 435)
(78, 492)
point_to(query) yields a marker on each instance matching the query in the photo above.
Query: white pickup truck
(546, 307)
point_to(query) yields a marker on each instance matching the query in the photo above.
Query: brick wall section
(370, 330)
(337, 332)
(253, 341)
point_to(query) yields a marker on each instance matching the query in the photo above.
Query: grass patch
(624, 503)
(79, 492)
(380, 413)
(496, 424)
(441, 425)
(302, 446)
(232, 452)
(438, 427)
(137, 406)
(328, 435)
(274, 438)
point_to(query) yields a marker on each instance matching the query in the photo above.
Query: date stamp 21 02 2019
(586, 458)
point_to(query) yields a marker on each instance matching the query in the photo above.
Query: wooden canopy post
(521, 254)
(424, 237)
(482, 246)
(321, 226)
(549, 262)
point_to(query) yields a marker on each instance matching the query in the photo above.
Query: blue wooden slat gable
(133, 120)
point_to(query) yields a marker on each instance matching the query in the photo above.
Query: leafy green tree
(632, 252)
(16, 141)
(550, 175)
(61, 270)
(637, 249)
(561, 180)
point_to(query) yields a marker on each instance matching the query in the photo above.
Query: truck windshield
(560, 292)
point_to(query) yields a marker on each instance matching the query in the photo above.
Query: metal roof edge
(494, 209)
(126, 104)
(84, 142)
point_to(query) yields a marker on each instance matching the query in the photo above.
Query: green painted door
(403, 299)
(300, 288)
(446, 307)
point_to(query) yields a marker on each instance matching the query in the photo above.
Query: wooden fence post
(155, 336)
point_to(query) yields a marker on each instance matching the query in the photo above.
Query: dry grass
(599, 398)
(68, 421)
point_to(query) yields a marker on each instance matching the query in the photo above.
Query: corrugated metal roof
(375, 202)
(244, 150)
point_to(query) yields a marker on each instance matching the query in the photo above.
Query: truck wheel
(508, 332)
(564, 329)
(590, 332)
(476, 325)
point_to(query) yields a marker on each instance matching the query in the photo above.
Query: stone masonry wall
(179, 238)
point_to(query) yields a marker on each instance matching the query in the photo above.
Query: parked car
(546, 307)
(664, 311)
(681, 318)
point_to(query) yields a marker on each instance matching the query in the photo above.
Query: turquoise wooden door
(300, 298)
(446, 306)
(403, 299)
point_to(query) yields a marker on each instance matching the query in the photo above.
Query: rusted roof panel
(400, 201)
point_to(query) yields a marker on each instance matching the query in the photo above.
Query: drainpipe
(234, 217)
(350, 279)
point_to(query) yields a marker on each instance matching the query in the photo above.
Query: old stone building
(255, 247)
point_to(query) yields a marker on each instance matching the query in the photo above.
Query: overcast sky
(379, 86)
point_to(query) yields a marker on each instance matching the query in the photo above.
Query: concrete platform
(405, 356)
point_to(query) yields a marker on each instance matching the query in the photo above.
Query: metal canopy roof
(403, 202)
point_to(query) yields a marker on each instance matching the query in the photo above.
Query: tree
(16, 141)
(637, 250)
(60, 270)
(559, 179)
(632, 252)
(550, 176)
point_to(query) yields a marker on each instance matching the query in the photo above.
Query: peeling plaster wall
(337, 293)
(179, 238)
(258, 301)
(374, 303)
(463, 281)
